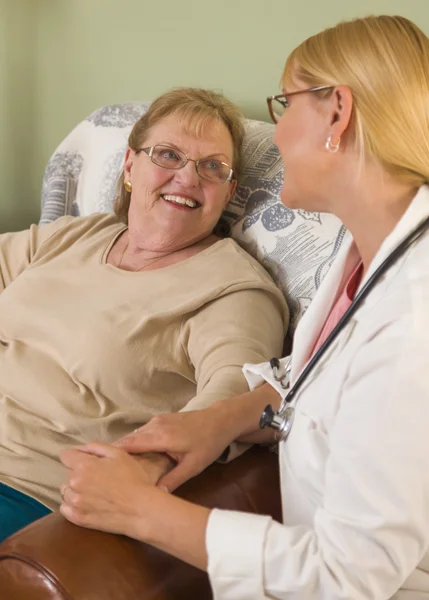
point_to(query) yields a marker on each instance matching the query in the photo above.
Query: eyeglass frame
(149, 152)
(285, 102)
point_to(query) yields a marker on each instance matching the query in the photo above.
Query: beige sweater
(90, 352)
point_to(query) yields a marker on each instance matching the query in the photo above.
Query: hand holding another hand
(106, 489)
(193, 440)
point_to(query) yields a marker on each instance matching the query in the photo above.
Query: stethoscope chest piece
(281, 421)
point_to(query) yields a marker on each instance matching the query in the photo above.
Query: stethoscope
(282, 419)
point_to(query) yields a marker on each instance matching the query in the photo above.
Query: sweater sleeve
(243, 326)
(371, 529)
(19, 249)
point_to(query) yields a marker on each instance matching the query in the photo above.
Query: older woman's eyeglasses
(210, 169)
(278, 104)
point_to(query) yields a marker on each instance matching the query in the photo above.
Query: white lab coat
(355, 468)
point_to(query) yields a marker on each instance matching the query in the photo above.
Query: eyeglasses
(278, 104)
(209, 169)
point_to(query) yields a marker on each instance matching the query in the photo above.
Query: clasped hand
(106, 489)
(194, 440)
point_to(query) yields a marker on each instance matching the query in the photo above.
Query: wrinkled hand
(192, 439)
(106, 488)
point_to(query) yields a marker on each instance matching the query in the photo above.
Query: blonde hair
(384, 60)
(196, 109)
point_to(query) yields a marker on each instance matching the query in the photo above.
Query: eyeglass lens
(208, 168)
(278, 109)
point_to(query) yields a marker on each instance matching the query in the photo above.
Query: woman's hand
(193, 440)
(106, 489)
(197, 438)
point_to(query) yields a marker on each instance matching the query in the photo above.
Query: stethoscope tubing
(268, 417)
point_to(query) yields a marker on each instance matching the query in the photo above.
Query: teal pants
(17, 510)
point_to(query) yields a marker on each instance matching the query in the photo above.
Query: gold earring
(128, 186)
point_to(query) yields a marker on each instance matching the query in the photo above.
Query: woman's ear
(128, 162)
(340, 111)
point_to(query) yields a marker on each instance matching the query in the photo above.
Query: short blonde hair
(385, 62)
(196, 109)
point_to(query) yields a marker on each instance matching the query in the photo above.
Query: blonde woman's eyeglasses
(278, 104)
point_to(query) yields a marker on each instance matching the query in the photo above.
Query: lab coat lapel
(313, 320)
(315, 316)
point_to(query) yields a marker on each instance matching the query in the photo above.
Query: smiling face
(178, 207)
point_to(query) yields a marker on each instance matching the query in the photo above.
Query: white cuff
(235, 547)
(256, 374)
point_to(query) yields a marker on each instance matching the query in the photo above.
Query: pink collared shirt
(340, 306)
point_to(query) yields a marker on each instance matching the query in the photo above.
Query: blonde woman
(353, 132)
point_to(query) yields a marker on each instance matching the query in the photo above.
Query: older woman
(108, 320)
(353, 131)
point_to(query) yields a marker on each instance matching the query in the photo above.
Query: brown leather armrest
(53, 559)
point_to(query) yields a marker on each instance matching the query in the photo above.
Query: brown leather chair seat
(55, 560)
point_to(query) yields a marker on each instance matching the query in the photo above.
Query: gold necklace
(141, 268)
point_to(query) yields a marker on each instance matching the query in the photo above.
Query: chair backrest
(296, 247)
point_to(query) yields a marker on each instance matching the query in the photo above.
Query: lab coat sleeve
(371, 528)
(256, 375)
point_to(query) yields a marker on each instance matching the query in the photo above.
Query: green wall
(61, 59)
(18, 197)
